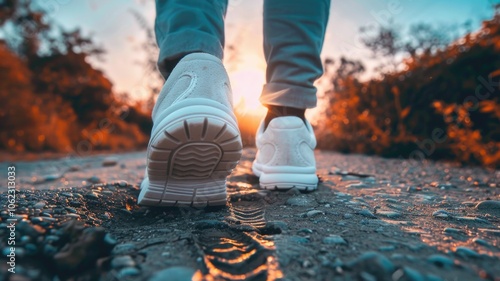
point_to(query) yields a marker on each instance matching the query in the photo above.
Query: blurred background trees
(446, 86)
(52, 98)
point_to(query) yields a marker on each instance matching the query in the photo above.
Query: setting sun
(247, 85)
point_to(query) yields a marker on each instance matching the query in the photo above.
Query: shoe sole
(301, 179)
(189, 158)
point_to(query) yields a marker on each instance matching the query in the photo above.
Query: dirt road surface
(370, 219)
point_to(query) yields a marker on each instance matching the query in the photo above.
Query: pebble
(299, 201)
(389, 214)
(374, 263)
(441, 214)
(481, 242)
(387, 248)
(109, 161)
(441, 261)
(92, 196)
(466, 252)
(122, 261)
(94, 179)
(314, 213)
(73, 216)
(334, 240)
(472, 219)
(122, 183)
(52, 177)
(413, 189)
(39, 205)
(494, 232)
(408, 274)
(367, 213)
(491, 207)
(446, 186)
(74, 168)
(451, 230)
(357, 185)
(348, 215)
(305, 230)
(469, 203)
(128, 271)
(178, 273)
(124, 249)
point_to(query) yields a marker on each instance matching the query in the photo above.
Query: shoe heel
(189, 159)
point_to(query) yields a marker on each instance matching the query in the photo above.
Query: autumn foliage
(52, 98)
(442, 101)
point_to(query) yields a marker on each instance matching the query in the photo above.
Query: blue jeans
(294, 32)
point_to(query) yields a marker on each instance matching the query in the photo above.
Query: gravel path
(370, 219)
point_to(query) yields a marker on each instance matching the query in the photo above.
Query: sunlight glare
(247, 86)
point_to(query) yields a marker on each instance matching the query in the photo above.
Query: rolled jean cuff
(174, 46)
(286, 95)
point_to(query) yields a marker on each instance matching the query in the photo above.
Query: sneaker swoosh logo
(190, 88)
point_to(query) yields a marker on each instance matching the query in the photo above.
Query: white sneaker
(285, 155)
(195, 142)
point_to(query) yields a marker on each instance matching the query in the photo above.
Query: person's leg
(188, 26)
(293, 37)
(195, 141)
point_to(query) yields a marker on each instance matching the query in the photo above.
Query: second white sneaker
(285, 155)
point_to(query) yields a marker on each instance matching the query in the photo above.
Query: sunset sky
(112, 25)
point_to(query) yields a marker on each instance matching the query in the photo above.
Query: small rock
(494, 232)
(367, 213)
(441, 214)
(450, 230)
(124, 249)
(305, 231)
(446, 186)
(334, 240)
(314, 213)
(299, 201)
(387, 248)
(357, 185)
(49, 178)
(491, 207)
(128, 271)
(94, 179)
(178, 273)
(122, 183)
(375, 264)
(408, 274)
(122, 261)
(347, 216)
(109, 161)
(481, 242)
(466, 252)
(469, 203)
(92, 196)
(389, 214)
(39, 205)
(441, 261)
